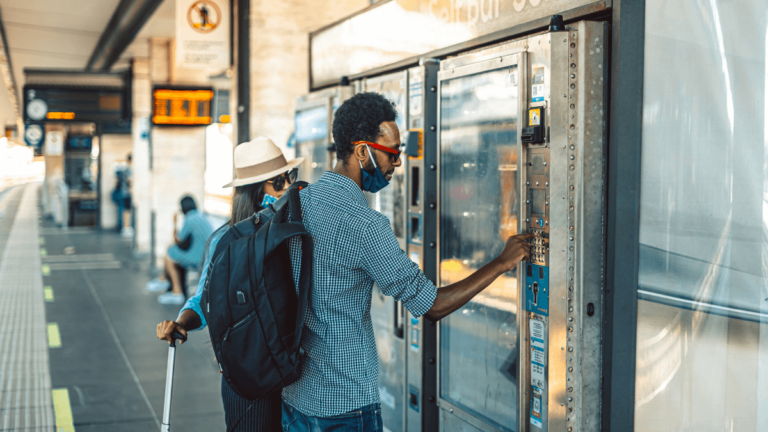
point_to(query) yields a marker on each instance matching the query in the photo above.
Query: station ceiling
(53, 34)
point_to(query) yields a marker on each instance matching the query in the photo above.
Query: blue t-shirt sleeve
(193, 302)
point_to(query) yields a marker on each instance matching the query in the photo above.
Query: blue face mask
(373, 182)
(268, 199)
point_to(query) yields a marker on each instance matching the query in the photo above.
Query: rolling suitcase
(166, 426)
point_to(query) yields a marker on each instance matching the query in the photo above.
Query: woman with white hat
(262, 176)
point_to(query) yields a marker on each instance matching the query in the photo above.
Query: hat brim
(251, 180)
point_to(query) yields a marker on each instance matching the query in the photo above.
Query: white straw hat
(259, 160)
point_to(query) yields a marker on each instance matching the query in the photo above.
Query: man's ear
(360, 153)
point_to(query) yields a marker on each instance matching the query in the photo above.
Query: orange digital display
(60, 116)
(182, 107)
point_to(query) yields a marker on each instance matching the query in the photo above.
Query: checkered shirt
(354, 246)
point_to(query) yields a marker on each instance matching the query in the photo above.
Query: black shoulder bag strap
(305, 279)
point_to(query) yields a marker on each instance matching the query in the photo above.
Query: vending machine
(312, 130)
(522, 139)
(406, 376)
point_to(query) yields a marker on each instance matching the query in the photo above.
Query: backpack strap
(305, 286)
(294, 201)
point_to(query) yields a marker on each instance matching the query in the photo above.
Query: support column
(177, 153)
(142, 178)
(280, 56)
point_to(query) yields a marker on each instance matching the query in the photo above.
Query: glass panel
(702, 330)
(479, 210)
(390, 201)
(312, 142)
(391, 351)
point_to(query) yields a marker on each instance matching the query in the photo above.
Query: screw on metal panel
(573, 127)
(573, 65)
(433, 89)
(562, 348)
(562, 404)
(570, 288)
(451, 410)
(571, 187)
(545, 164)
(433, 167)
(432, 245)
(547, 184)
(573, 146)
(434, 128)
(431, 360)
(432, 205)
(565, 96)
(570, 369)
(570, 319)
(573, 157)
(570, 389)
(570, 399)
(573, 167)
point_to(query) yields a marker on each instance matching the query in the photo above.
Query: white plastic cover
(702, 346)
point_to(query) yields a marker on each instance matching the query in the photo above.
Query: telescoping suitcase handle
(166, 426)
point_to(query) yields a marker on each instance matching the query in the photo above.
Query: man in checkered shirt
(354, 246)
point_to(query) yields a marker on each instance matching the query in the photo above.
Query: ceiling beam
(129, 17)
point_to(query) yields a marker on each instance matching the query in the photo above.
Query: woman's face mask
(268, 199)
(373, 182)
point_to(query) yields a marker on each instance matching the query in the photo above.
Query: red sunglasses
(394, 155)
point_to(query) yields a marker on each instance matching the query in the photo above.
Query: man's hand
(166, 328)
(518, 247)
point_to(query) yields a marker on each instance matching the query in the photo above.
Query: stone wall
(280, 58)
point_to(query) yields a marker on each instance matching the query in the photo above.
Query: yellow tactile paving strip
(25, 383)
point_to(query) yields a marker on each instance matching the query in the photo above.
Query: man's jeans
(365, 419)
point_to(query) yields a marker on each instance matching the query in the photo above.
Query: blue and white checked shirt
(354, 246)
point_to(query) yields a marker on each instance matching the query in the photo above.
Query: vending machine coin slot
(537, 289)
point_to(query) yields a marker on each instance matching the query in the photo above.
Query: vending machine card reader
(522, 139)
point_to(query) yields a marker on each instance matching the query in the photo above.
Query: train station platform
(78, 349)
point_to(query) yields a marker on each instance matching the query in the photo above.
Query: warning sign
(204, 16)
(202, 34)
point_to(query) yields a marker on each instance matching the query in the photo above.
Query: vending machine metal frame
(573, 64)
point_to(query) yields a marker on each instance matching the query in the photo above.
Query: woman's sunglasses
(279, 182)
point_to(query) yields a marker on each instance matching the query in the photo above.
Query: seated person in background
(185, 254)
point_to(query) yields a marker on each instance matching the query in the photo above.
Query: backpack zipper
(238, 324)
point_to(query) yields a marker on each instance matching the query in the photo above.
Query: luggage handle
(166, 426)
(177, 335)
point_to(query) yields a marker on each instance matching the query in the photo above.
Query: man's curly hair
(359, 119)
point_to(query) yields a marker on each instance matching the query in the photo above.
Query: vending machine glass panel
(390, 201)
(312, 142)
(479, 210)
(387, 315)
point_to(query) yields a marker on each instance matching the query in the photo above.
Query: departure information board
(182, 106)
(51, 104)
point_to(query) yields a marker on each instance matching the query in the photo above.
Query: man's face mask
(373, 182)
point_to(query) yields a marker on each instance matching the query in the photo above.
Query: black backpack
(249, 299)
